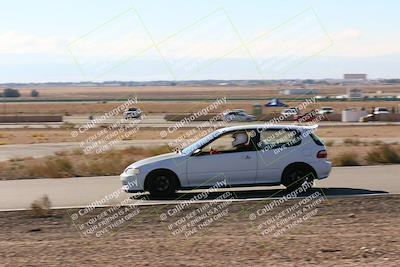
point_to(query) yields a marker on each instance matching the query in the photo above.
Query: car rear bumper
(323, 169)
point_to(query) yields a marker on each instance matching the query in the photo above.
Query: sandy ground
(359, 231)
(84, 92)
(171, 93)
(33, 136)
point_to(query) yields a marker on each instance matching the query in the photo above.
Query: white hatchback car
(381, 110)
(132, 113)
(239, 155)
(290, 111)
(325, 110)
(238, 115)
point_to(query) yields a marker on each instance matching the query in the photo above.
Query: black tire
(162, 184)
(295, 176)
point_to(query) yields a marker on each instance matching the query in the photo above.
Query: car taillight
(322, 154)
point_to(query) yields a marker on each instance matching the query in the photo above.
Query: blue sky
(74, 40)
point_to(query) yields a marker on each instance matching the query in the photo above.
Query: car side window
(274, 138)
(238, 141)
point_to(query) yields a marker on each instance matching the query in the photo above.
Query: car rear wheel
(162, 184)
(296, 176)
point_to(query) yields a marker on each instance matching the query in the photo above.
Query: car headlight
(132, 171)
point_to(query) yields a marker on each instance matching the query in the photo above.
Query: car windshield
(199, 143)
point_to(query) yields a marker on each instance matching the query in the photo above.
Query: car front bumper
(132, 183)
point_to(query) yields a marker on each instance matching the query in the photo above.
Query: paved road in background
(45, 149)
(70, 192)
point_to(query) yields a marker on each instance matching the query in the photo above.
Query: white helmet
(240, 138)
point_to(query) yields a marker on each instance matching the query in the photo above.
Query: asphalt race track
(82, 191)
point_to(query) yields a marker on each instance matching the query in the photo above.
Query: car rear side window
(271, 139)
(316, 139)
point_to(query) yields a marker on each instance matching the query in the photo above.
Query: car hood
(158, 158)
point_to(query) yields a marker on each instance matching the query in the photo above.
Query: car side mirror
(196, 152)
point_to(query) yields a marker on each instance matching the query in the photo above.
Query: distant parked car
(290, 111)
(132, 113)
(238, 115)
(245, 156)
(325, 110)
(368, 118)
(381, 110)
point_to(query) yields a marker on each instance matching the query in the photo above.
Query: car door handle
(246, 157)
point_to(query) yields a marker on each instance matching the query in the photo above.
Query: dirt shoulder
(36, 136)
(360, 231)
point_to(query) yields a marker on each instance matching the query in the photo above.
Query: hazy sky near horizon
(98, 40)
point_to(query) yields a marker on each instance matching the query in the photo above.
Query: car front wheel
(162, 184)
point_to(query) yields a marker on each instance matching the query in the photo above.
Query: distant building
(299, 92)
(355, 76)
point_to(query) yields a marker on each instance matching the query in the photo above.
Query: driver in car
(241, 141)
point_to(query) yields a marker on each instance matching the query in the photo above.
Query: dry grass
(76, 164)
(329, 143)
(107, 92)
(364, 155)
(382, 155)
(352, 142)
(346, 159)
(41, 207)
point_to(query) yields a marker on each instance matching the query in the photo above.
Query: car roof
(269, 126)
